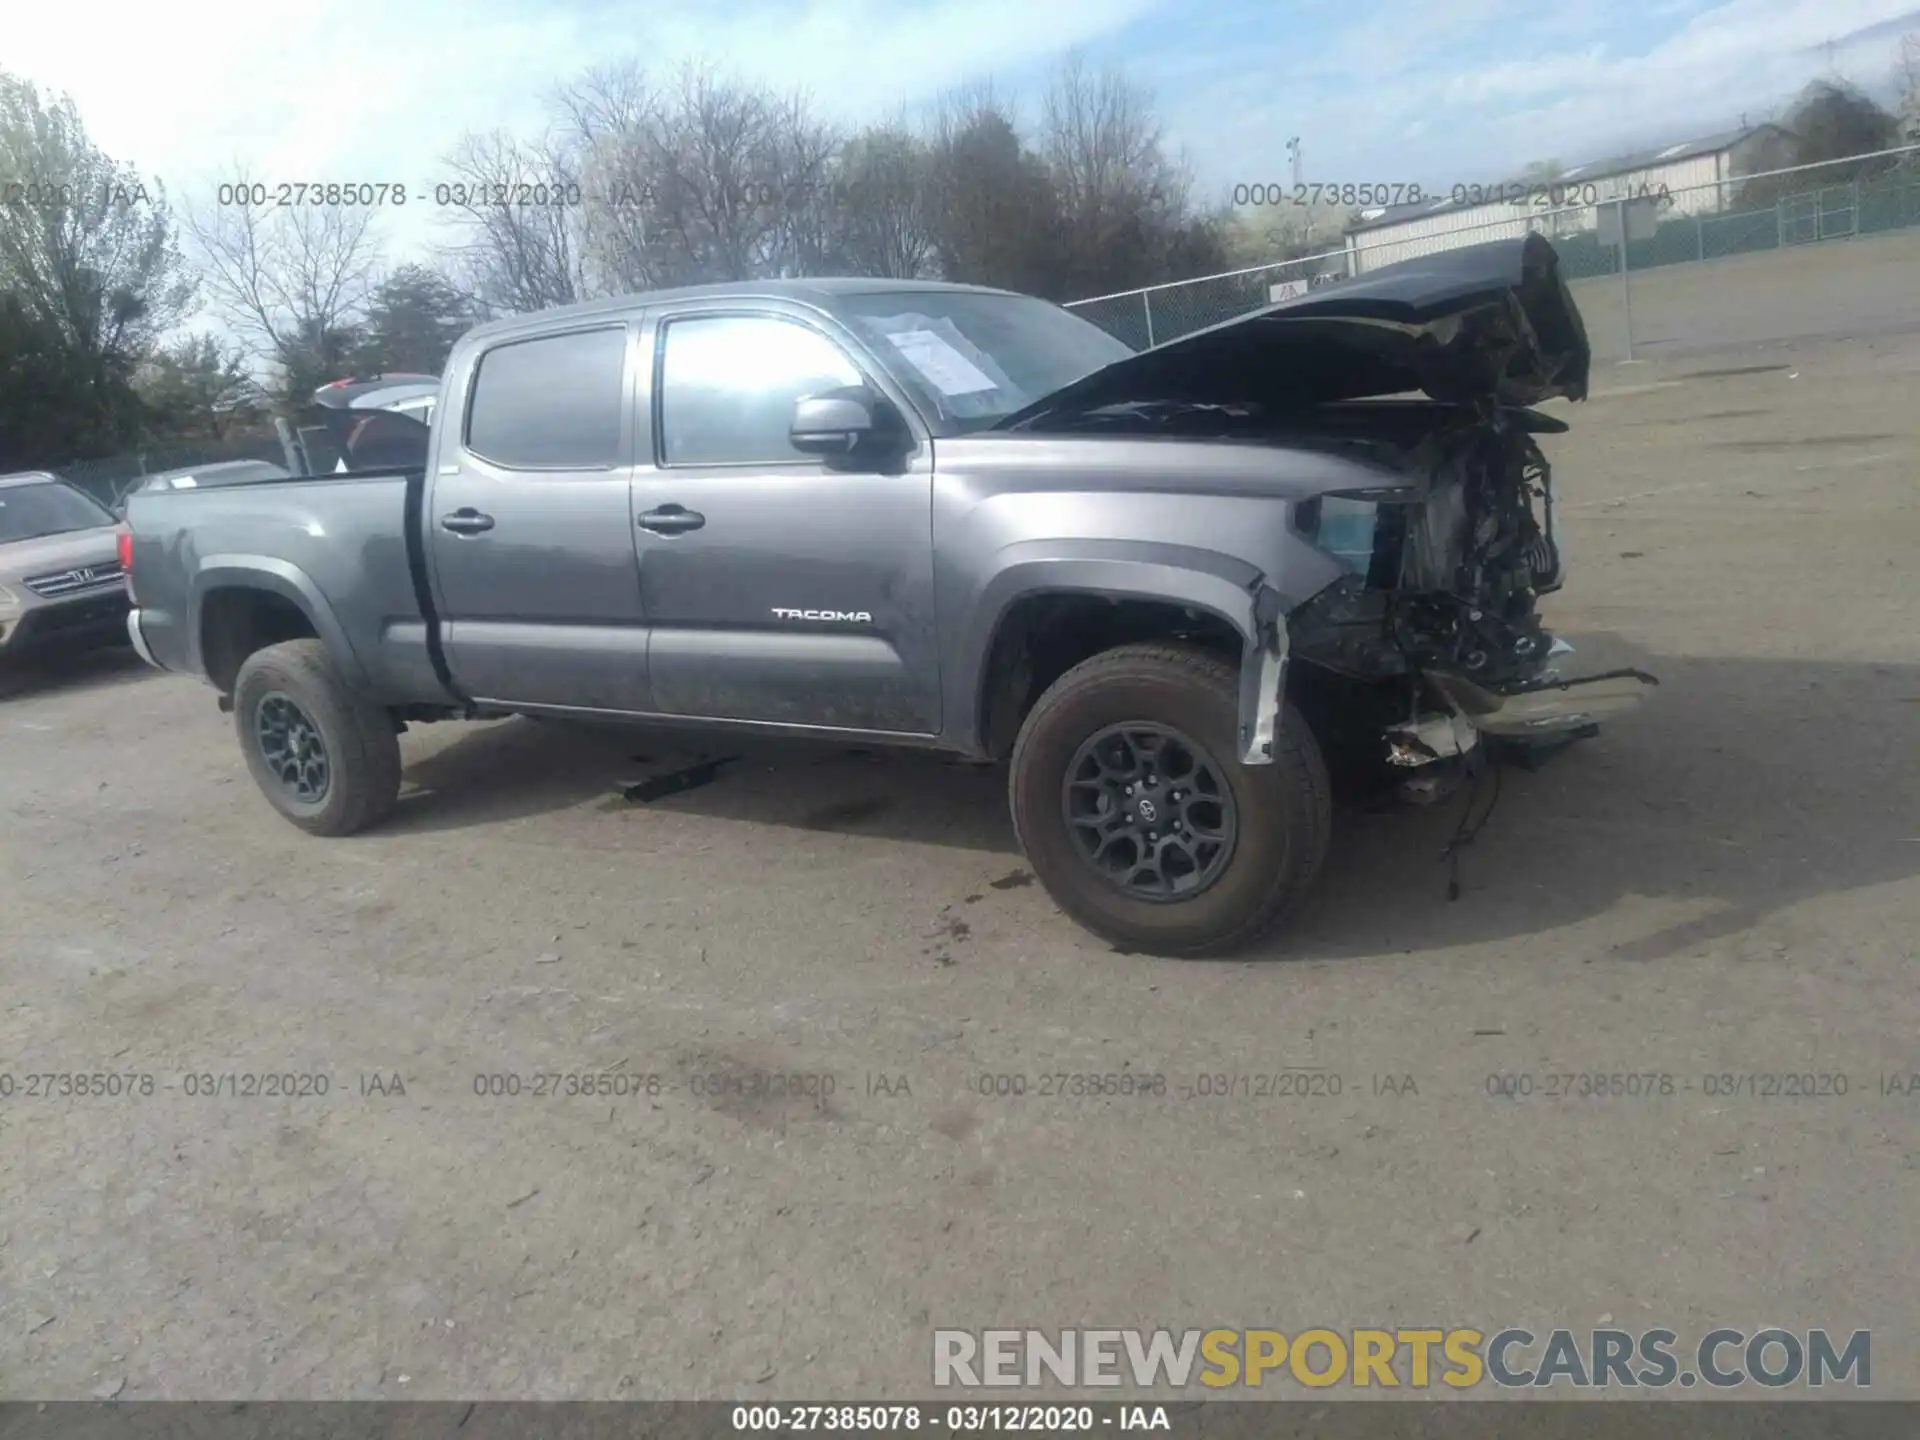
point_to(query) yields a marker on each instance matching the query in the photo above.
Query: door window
(729, 383)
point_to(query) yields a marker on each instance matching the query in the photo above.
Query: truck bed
(345, 549)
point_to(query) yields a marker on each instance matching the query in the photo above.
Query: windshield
(973, 359)
(30, 511)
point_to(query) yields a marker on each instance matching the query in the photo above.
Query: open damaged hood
(1484, 322)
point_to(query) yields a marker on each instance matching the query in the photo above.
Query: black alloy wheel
(325, 754)
(1133, 806)
(1149, 810)
(292, 748)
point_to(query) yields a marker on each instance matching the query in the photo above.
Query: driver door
(778, 587)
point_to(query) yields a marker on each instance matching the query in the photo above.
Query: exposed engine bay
(1446, 574)
(1435, 637)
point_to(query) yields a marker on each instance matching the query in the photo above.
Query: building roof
(1380, 217)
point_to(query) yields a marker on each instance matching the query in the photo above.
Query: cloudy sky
(1434, 91)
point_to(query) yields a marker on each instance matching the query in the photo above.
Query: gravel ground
(1723, 883)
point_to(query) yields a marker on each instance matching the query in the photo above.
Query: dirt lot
(1725, 883)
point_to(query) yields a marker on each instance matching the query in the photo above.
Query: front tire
(325, 756)
(1133, 808)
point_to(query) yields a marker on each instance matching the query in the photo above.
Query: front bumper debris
(1546, 707)
(1430, 737)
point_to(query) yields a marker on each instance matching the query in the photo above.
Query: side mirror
(849, 421)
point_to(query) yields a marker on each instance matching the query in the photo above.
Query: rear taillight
(126, 558)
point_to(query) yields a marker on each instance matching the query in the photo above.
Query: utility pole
(1626, 286)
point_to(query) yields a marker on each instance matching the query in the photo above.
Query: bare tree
(610, 117)
(804, 167)
(1123, 200)
(886, 202)
(705, 178)
(1100, 138)
(516, 205)
(718, 185)
(291, 280)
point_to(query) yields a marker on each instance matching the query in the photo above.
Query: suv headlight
(8, 600)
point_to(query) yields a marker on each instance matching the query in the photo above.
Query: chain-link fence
(112, 478)
(1775, 280)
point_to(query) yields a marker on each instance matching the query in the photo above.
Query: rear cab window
(552, 402)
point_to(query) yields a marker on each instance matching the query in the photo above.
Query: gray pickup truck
(1167, 586)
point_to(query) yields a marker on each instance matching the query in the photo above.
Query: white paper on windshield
(946, 369)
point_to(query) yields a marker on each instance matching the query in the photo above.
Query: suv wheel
(325, 756)
(1133, 808)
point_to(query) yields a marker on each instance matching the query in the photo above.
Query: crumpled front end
(1423, 374)
(1438, 618)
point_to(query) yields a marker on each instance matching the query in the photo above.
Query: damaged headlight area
(1443, 575)
(1437, 618)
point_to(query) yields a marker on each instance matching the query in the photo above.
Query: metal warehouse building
(1693, 173)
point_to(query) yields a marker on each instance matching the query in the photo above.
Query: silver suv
(61, 583)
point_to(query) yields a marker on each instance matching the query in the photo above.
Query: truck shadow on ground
(1743, 787)
(512, 769)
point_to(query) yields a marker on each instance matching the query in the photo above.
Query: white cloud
(305, 92)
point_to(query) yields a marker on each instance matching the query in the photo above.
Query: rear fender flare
(1221, 585)
(289, 582)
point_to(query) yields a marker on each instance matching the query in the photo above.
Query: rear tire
(325, 756)
(1278, 815)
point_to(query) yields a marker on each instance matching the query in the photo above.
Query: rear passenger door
(780, 587)
(529, 527)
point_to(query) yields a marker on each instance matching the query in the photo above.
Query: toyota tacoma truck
(1164, 586)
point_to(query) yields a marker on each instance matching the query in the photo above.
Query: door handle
(466, 521)
(671, 520)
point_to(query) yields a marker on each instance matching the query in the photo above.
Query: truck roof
(821, 292)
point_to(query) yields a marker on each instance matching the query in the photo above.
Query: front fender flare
(1221, 585)
(290, 583)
